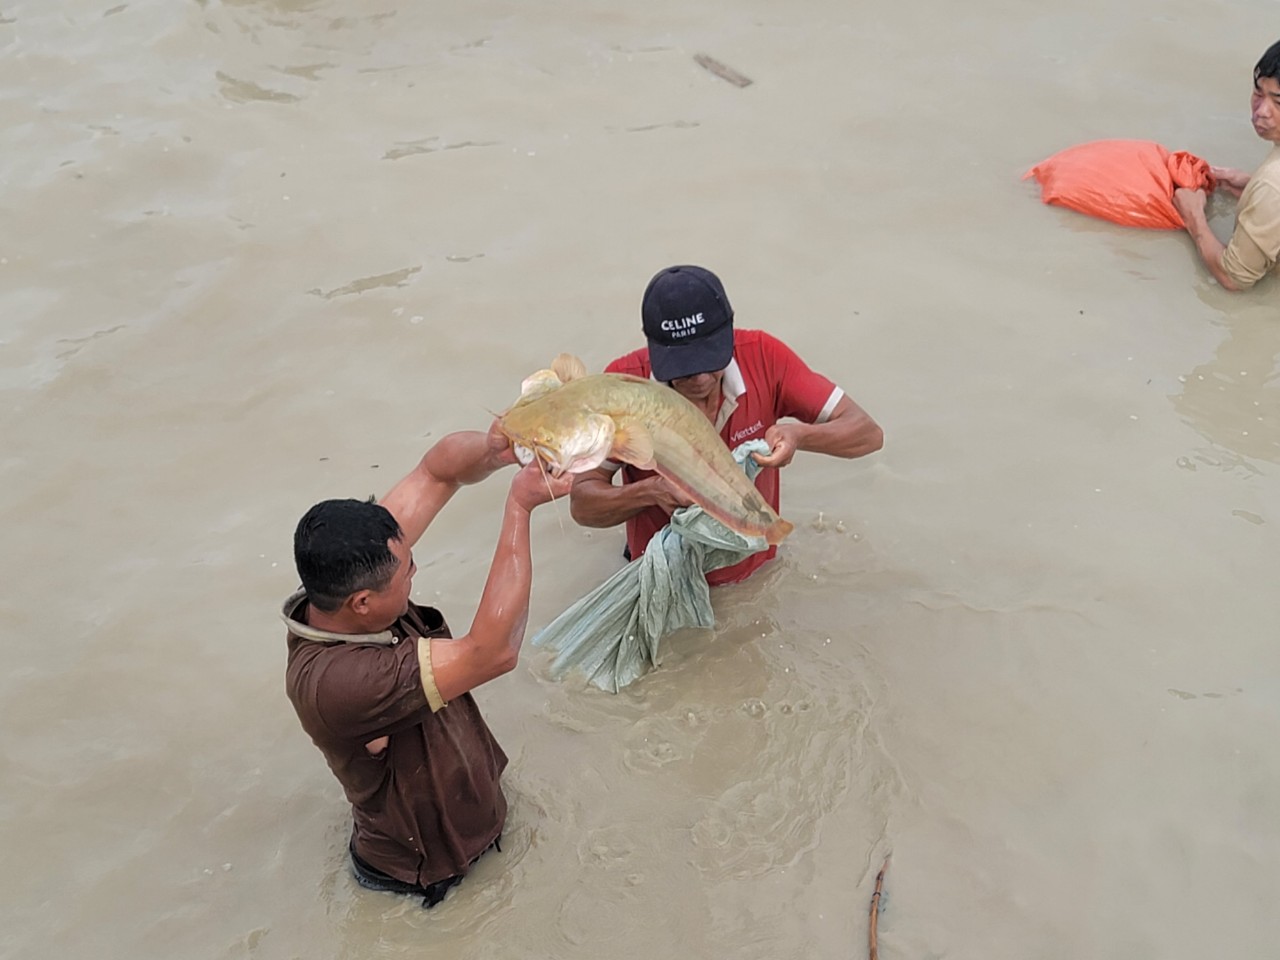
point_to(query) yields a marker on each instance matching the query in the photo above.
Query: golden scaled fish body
(573, 421)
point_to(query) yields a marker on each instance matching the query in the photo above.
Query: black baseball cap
(688, 322)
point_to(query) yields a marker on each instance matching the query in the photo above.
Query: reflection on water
(1234, 398)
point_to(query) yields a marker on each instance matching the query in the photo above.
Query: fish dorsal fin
(633, 444)
(536, 384)
(568, 367)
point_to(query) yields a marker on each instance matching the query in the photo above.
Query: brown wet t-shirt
(1254, 247)
(430, 803)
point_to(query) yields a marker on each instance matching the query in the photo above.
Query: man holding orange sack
(1255, 243)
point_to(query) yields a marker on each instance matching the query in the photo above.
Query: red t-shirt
(767, 381)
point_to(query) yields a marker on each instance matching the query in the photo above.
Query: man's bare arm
(1190, 204)
(596, 501)
(848, 433)
(492, 646)
(453, 461)
(1232, 180)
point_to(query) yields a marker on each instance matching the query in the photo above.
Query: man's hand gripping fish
(573, 422)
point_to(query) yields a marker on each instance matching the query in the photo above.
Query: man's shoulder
(1257, 225)
(1267, 176)
(756, 349)
(1270, 163)
(635, 363)
(759, 341)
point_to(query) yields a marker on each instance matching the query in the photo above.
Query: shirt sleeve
(635, 363)
(376, 690)
(428, 673)
(800, 392)
(1255, 242)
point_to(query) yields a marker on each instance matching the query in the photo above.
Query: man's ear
(358, 602)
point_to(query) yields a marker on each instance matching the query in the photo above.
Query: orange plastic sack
(1130, 182)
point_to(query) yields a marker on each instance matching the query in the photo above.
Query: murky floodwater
(262, 252)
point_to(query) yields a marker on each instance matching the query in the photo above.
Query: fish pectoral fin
(633, 444)
(568, 367)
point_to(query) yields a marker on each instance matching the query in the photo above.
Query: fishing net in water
(612, 634)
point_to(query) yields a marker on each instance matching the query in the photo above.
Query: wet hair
(1269, 65)
(340, 547)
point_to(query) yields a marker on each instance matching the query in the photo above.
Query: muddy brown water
(254, 254)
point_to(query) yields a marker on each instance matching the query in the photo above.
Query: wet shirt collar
(307, 632)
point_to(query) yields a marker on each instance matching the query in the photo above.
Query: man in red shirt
(745, 381)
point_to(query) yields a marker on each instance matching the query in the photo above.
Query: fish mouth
(548, 456)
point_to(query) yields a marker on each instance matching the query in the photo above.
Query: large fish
(573, 422)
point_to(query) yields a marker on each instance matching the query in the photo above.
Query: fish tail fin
(777, 531)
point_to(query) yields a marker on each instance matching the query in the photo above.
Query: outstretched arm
(453, 461)
(1190, 204)
(492, 645)
(849, 432)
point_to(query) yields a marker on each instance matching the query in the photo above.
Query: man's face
(1265, 108)
(700, 387)
(392, 601)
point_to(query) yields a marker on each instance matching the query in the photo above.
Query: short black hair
(340, 547)
(1269, 65)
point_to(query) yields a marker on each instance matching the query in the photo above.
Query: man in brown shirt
(1255, 243)
(382, 688)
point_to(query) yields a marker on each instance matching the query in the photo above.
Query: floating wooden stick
(721, 71)
(875, 909)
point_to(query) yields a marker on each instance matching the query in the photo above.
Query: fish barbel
(573, 421)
